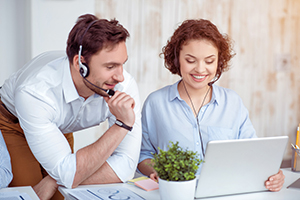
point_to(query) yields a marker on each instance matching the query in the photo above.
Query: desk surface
(23, 189)
(284, 193)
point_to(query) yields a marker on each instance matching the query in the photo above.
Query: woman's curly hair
(198, 30)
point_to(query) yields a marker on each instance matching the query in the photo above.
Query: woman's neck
(195, 98)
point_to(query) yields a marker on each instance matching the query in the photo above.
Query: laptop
(239, 166)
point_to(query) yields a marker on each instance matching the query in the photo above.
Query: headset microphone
(109, 92)
(84, 68)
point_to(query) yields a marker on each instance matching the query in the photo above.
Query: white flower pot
(177, 189)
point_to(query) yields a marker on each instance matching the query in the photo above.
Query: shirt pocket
(220, 133)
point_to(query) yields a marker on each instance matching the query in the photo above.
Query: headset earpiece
(83, 67)
(84, 70)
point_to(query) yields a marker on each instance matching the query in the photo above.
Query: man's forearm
(92, 157)
(102, 176)
(46, 188)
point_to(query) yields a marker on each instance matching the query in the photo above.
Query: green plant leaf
(176, 164)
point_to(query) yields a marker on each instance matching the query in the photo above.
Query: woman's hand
(146, 168)
(154, 176)
(275, 182)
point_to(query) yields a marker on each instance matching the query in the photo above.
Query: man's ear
(76, 62)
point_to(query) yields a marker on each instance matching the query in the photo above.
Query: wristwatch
(121, 124)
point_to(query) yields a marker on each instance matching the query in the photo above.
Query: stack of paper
(144, 183)
(147, 184)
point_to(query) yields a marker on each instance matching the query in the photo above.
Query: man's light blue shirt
(5, 166)
(167, 117)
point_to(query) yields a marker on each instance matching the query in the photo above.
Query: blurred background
(265, 33)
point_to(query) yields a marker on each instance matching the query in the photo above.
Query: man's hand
(275, 182)
(121, 106)
(46, 188)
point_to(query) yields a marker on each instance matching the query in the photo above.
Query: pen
(296, 148)
(297, 136)
(297, 140)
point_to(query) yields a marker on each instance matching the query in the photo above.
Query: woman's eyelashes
(207, 61)
(190, 61)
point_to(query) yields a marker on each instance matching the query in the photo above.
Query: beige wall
(264, 31)
(266, 66)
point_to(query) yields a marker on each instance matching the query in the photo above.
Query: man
(53, 96)
(5, 166)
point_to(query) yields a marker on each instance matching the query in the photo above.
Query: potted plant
(176, 169)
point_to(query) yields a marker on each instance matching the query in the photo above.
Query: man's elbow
(76, 182)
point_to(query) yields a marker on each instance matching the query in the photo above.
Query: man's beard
(95, 88)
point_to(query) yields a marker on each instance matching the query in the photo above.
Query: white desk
(283, 194)
(23, 189)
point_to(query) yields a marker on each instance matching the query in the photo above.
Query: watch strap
(121, 124)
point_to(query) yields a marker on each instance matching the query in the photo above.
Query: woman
(194, 111)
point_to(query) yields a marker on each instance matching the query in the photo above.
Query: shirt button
(197, 143)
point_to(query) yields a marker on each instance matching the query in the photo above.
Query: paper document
(14, 195)
(295, 184)
(103, 193)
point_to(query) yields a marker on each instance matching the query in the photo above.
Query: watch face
(119, 123)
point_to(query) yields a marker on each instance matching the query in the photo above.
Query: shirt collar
(173, 93)
(215, 97)
(69, 88)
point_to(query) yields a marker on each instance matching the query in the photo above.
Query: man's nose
(118, 76)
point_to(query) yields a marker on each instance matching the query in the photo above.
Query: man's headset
(84, 68)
